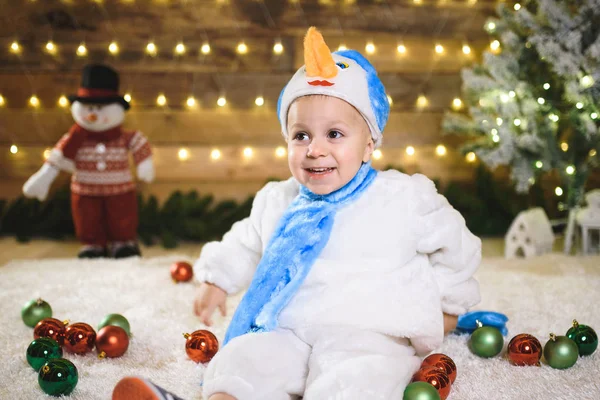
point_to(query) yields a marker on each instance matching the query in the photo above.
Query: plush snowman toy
(96, 152)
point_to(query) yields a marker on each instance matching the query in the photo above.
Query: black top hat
(99, 85)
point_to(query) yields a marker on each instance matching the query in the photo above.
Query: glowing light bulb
(457, 103)
(564, 146)
(499, 121)
(570, 170)
(215, 154)
(183, 154)
(587, 81)
(342, 47)
(2, 101)
(491, 26)
(14, 149)
(439, 48)
(546, 86)
(517, 7)
(278, 48)
(377, 154)
(495, 45)
(180, 49)
(127, 97)
(161, 100)
(512, 94)
(579, 105)
(248, 152)
(151, 48)
(113, 48)
(440, 150)
(15, 48)
(539, 164)
(558, 191)
(221, 101)
(205, 49)
(410, 150)
(259, 101)
(46, 153)
(495, 138)
(592, 152)
(471, 157)
(280, 152)
(594, 115)
(390, 100)
(34, 101)
(191, 101)
(541, 100)
(504, 98)
(401, 49)
(242, 48)
(81, 50)
(63, 102)
(466, 49)
(517, 122)
(422, 101)
(50, 47)
(370, 48)
(553, 117)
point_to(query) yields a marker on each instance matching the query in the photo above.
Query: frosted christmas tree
(533, 104)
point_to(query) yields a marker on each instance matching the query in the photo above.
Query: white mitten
(145, 170)
(39, 183)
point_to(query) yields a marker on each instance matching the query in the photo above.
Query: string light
(491, 26)
(592, 152)
(342, 47)
(539, 164)
(370, 48)
(183, 154)
(504, 98)
(401, 49)
(440, 150)
(50, 47)
(546, 86)
(439, 48)
(579, 105)
(418, 2)
(553, 117)
(161, 100)
(499, 121)
(471, 157)
(564, 146)
(151, 49)
(34, 101)
(127, 97)
(541, 100)
(594, 115)
(14, 149)
(410, 150)
(259, 101)
(517, 122)
(587, 81)
(180, 49)
(81, 50)
(457, 104)
(570, 170)
(248, 152)
(495, 45)
(494, 131)
(377, 154)
(62, 101)
(517, 7)
(113, 48)
(215, 154)
(15, 48)
(280, 152)
(2, 101)
(242, 48)
(221, 101)
(46, 153)
(191, 102)
(495, 138)
(390, 100)
(205, 49)
(422, 101)
(558, 191)
(278, 48)
(512, 94)
(466, 49)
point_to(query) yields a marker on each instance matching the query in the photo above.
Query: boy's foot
(136, 388)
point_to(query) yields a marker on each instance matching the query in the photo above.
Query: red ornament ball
(524, 349)
(201, 346)
(436, 378)
(80, 338)
(182, 271)
(111, 341)
(52, 328)
(442, 362)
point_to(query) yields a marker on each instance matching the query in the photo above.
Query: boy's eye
(300, 136)
(342, 65)
(335, 134)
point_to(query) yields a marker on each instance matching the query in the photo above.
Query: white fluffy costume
(352, 324)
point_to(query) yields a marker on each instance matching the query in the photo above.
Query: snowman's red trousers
(100, 220)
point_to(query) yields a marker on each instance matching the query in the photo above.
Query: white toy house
(530, 234)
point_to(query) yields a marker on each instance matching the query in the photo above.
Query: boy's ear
(369, 148)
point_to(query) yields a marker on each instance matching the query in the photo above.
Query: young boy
(354, 274)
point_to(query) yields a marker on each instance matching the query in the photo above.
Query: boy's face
(327, 143)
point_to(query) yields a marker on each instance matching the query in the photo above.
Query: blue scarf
(298, 239)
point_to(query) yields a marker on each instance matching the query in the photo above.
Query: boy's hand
(450, 322)
(207, 299)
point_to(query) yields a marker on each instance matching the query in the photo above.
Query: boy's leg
(353, 364)
(137, 388)
(259, 366)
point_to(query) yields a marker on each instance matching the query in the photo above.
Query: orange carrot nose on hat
(346, 74)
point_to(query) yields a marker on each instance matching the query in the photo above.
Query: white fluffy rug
(539, 296)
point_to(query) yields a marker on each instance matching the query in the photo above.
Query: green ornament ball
(486, 341)
(420, 391)
(41, 350)
(560, 352)
(34, 311)
(116, 320)
(58, 377)
(584, 337)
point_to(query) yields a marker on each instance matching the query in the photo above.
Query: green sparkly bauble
(486, 341)
(584, 337)
(420, 391)
(34, 311)
(116, 320)
(58, 377)
(41, 350)
(561, 352)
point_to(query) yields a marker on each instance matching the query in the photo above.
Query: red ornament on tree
(524, 349)
(442, 362)
(201, 346)
(111, 341)
(52, 328)
(80, 338)
(436, 378)
(182, 271)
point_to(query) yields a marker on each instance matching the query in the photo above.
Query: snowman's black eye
(342, 65)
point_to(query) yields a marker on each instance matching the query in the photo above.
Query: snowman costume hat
(99, 85)
(345, 74)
